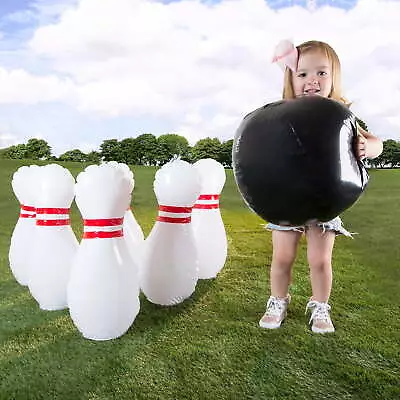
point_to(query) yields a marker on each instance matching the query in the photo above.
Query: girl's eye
(302, 75)
(321, 73)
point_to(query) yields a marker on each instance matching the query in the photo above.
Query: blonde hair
(314, 45)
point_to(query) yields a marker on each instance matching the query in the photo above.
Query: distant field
(210, 347)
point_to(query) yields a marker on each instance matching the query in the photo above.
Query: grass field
(210, 346)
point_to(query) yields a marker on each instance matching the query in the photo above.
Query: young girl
(311, 69)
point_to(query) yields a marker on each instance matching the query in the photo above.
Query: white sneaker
(275, 313)
(320, 318)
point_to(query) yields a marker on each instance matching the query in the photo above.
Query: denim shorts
(334, 225)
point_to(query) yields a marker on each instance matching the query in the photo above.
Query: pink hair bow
(286, 55)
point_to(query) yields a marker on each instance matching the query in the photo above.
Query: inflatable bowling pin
(55, 244)
(103, 291)
(170, 270)
(208, 227)
(132, 231)
(23, 184)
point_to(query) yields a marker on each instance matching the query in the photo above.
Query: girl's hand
(368, 145)
(361, 148)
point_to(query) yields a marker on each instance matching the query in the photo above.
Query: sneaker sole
(269, 326)
(319, 330)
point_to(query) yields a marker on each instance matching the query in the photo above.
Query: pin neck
(174, 214)
(52, 216)
(27, 211)
(207, 202)
(103, 228)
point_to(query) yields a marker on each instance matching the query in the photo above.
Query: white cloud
(48, 11)
(21, 17)
(203, 66)
(168, 60)
(221, 125)
(7, 140)
(85, 147)
(18, 86)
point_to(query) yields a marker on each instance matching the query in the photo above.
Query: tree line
(147, 149)
(390, 156)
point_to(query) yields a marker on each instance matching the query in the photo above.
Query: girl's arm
(368, 145)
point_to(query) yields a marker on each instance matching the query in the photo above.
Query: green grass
(210, 346)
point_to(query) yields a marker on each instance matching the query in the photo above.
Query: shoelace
(275, 306)
(320, 311)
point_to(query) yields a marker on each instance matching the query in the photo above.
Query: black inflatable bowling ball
(294, 161)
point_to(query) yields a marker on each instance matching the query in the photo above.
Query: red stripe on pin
(202, 206)
(52, 211)
(206, 206)
(103, 222)
(27, 215)
(52, 222)
(102, 234)
(208, 197)
(175, 209)
(27, 208)
(172, 220)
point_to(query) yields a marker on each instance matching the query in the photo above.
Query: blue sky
(10, 6)
(77, 72)
(344, 4)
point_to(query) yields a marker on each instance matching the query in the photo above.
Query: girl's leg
(319, 254)
(284, 253)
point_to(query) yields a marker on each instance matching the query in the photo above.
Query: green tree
(362, 124)
(73, 155)
(225, 157)
(390, 155)
(129, 150)
(110, 150)
(37, 149)
(391, 151)
(396, 156)
(146, 149)
(170, 145)
(93, 157)
(16, 152)
(206, 148)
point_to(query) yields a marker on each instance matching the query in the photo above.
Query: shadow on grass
(21, 317)
(153, 315)
(46, 356)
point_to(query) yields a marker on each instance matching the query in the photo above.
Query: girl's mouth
(311, 92)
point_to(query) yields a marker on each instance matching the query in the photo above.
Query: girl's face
(313, 76)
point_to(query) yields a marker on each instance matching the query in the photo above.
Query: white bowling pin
(208, 227)
(103, 291)
(23, 184)
(170, 271)
(55, 244)
(132, 231)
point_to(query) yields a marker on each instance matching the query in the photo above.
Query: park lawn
(210, 346)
